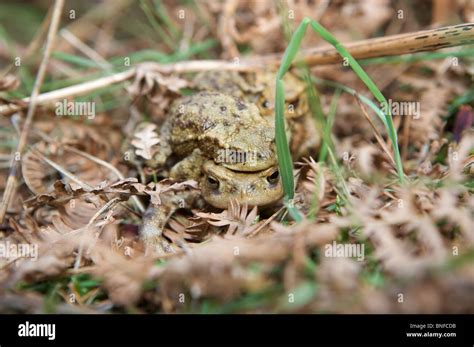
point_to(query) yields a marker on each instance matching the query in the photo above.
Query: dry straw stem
(420, 41)
(11, 182)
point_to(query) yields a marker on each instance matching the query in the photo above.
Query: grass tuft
(283, 151)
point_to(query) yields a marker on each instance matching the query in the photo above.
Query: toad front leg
(156, 217)
(151, 233)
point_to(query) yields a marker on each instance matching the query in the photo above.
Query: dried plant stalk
(420, 41)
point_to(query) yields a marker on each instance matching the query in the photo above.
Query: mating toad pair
(224, 138)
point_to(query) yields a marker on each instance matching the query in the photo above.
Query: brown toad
(226, 145)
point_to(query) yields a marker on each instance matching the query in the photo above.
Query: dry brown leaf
(9, 83)
(167, 186)
(237, 217)
(158, 88)
(145, 141)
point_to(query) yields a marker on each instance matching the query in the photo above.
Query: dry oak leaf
(61, 194)
(145, 141)
(164, 186)
(146, 80)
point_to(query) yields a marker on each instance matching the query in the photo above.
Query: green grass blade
(283, 151)
(162, 13)
(76, 60)
(327, 36)
(328, 126)
(292, 48)
(157, 26)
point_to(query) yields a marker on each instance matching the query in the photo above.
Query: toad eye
(212, 182)
(273, 178)
(266, 104)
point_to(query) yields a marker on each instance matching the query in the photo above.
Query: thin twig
(87, 25)
(74, 90)
(85, 49)
(109, 205)
(109, 166)
(87, 187)
(419, 41)
(267, 221)
(377, 134)
(12, 178)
